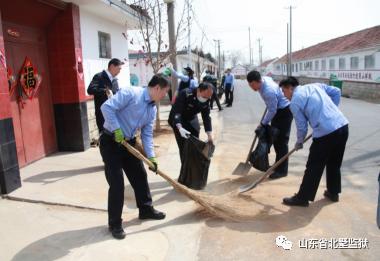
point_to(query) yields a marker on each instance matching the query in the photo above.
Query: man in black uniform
(183, 115)
(210, 79)
(101, 82)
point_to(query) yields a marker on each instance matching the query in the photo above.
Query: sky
(313, 22)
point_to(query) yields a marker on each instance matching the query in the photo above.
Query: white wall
(360, 74)
(145, 72)
(92, 64)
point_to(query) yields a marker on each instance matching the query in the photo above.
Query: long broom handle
(138, 155)
(254, 140)
(278, 163)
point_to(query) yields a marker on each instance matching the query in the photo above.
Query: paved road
(43, 232)
(354, 216)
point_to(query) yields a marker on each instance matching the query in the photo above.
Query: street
(41, 231)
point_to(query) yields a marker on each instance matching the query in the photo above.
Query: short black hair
(115, 62)
(189, 70)
(204, 86)
(289, 81)
(161, 80)
(253, 76)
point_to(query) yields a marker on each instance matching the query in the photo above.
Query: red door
(34, 121)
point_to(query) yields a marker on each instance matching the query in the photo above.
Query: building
(141, 71)
(267, 67)
(353, 58)
(239, 71)
(49, 51)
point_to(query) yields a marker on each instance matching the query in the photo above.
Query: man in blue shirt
(127, 111)
(317, 104)
(278, 114)
(229, 87)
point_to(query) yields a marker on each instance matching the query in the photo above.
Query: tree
(152, 29)
(235, 57)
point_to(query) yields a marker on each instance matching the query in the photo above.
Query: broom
(217, 206)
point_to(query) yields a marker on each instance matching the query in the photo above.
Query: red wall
(5, 105)
(64, 50)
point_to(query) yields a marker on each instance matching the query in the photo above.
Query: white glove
(184, 133)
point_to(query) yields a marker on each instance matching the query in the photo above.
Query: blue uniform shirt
(229, 79)
(317, 104)
(273, 97)
(131, 109)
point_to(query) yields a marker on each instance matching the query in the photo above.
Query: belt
(111, 134)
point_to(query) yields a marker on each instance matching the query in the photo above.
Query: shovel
(252, 185)
(243, 167)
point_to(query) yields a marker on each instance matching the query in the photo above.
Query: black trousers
(283, 122)
(229, 96)
(192, 126)
(326, 151)
(215, 98)
(116, 158)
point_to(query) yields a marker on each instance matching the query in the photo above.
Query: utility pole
(188, 34)
(260, 52)
(172, 41)
(218, 72)
(218, 58)
(224, 62)
(250, 48)
(290, 41)
(287, 49)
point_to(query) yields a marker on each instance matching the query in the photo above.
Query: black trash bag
(194, 169)
(259, 157)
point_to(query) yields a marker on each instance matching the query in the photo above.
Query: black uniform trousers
(326, 151)
(116, 158)
(282, 120)
(229, 95)
(192, 126)
(215, 98)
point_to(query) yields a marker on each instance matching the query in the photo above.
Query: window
(104, 45)
(316, 65)
(369, 61)
(292, 67)
(323, 65)
(301, 67)
(342, 63)
(331, 64)
(354, 61)
(296, 67)
(311, 66)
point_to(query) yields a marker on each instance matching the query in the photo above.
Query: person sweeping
(317, 105)
(278, 115)
(127, 111)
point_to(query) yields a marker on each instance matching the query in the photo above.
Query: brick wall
(358, 90)
(93, 129)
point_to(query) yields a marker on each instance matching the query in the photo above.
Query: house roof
(363, 39)
(267, 62)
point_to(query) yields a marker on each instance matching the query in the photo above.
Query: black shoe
(229, 105)
(117, 232)
(331, 196)
(150, 213)
(277, 175)
(220, 109)
(295, 201)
